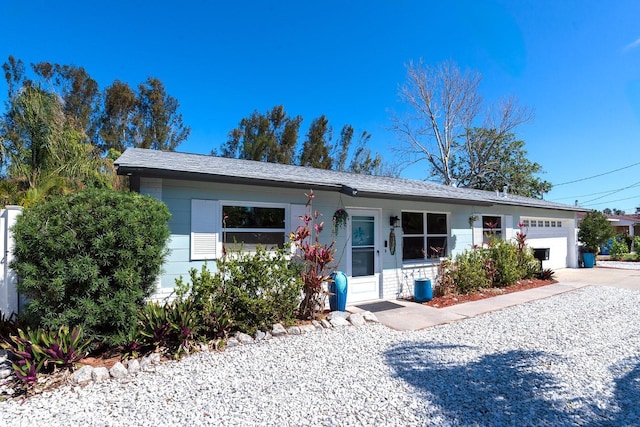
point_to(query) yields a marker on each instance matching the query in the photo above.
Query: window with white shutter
(206, 242)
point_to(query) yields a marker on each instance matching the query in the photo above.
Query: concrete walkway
(413, 316)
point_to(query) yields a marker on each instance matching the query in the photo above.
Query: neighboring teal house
(396, 231)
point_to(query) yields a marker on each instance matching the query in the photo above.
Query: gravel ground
(572, 359)
(619, 264)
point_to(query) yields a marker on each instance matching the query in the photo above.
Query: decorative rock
(5, 373)
(294, 330)
(146, 364)
(337, 321)
(307, 328)
(118, 371)
(260, 335)
(204, 346)
(267, 336)
(5, 365)
(100, 374)
(244, 338)
(83, 375)
(133, 366)
(370, 317)
(325, 324)
(337, 314)
(357, 319)
(278, 330)
(317, 324)
(155, 358)
(232, 342)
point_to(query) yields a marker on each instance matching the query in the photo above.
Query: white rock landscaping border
(335, 319)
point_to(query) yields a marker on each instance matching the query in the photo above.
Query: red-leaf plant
(521, 240)
(317, 259)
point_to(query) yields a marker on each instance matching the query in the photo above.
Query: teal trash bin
(588, 259)
(422, 290)
(338, 288)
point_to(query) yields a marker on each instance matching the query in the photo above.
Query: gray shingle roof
(153, 163)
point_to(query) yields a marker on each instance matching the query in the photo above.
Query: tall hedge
(90, 259)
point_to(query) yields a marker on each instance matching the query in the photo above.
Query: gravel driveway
(572, 359)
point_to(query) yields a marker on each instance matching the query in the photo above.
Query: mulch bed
(453, 299)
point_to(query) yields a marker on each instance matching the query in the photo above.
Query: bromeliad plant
(28, 360)
(317, 261)
(62, 348)
(207, 293)
(154, 325)
(182, 326)
(169, 328)
(36, 351)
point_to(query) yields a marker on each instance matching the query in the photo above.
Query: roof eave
(226, 179)
(211, 177)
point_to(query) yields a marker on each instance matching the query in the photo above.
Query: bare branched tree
(444, 107)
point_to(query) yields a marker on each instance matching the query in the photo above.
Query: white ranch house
(264, 202)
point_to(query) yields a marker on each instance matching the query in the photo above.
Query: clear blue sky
(575, 62)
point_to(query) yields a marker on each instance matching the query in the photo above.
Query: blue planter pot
(589, 260)
(338, 287)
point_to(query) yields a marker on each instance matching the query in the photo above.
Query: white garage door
(556, 239)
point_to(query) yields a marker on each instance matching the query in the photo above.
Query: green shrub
(595, 229)
(468, 271)
(619, 247)
(262, 288)
(206, 293)
(636, 244)
(253, 290)
(506, 261)
(90, 259)
(529, 265)
(8, 326)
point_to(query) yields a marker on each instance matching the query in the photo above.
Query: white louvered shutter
(206, 242)
(478, 235)
(508, 227)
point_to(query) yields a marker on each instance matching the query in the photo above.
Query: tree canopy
(614, 211)
(492, 160)
(274, 137)
(464, 142)
(270, 137)
(59, 132)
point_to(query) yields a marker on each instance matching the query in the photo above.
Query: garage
(552, 234)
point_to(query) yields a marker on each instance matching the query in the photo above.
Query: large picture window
(424, 235)
(254, 225)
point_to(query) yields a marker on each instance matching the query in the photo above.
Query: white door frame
(365, 288)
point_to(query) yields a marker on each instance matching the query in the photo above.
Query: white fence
(9, 301)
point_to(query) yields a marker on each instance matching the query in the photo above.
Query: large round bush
(90, 259)
(595, 229)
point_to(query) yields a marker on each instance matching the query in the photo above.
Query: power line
(596, 176)
(593, 194)
(613, 192)
(611, 201)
